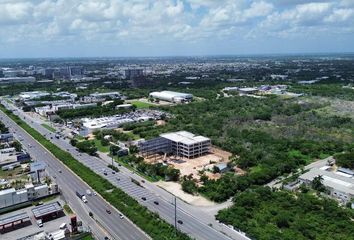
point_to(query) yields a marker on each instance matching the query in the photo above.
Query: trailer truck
(81, 196)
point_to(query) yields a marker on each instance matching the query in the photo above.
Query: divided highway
(110, 225)
(193, 222)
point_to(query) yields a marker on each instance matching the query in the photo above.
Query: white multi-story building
(182, 144)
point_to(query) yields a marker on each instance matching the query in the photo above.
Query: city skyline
(114, 28)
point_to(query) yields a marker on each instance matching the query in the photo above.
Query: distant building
(112, 95)
(170, 96)
(247, 90)
(25, 96)
(308, 82)
(76, 71)
(278, 77)
(13, 80)
(231, 89)
(131, 74)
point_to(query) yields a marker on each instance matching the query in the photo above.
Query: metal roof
(14, 218)
(184, 137)
(331, 179)
(46, 209)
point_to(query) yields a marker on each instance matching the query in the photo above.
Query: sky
(129, 28)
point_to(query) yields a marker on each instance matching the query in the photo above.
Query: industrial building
(169, 96)
(20, 219)
(105, 122)
(112, 95)
(13, 80)
(89, 125)
(181, 144)
(47, 211)
(11, 196)
(340, 183)
(33, 95)
(53, 108)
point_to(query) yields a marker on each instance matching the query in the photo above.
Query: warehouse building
(169, 96)
(181, 144)
(339, 183)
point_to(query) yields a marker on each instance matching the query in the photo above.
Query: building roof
(46, 209)
(7, 191)
(346, 170)
(14, 218)
(248, 89)
(171, 94)
(184, 137)
(331, 179)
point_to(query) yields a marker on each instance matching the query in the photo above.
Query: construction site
(186, 152)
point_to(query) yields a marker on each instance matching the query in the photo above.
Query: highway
(197, 222)
(110, 225)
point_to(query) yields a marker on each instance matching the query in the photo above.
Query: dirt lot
(176, 189)
(194, 165)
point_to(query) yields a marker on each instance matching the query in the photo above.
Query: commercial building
(169, 96)
(247, 90)
(47, 211)
(14, 220)
(131, 74)
(11, 196)
(47, 110)
(25, 96)
(6, 138)
(112, 95)
(181, 144)
(340, 183)
(13, 80)
(89, 125)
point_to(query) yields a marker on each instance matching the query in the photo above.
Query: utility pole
(175, 216)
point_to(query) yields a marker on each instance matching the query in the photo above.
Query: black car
(106, 238)
(113, 172)
(143, 198)
(108, 211)
(180, 221)
(156, 202)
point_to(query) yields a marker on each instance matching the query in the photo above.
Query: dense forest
(268, 137)
(270, 215)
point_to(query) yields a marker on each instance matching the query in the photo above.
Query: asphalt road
(196, 222)
(103, 224)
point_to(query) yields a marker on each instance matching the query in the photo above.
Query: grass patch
(100, 147)
(149, 222)
(131, 168)
(140, 104)
(48, 127)
(131, 135)
(67, 209)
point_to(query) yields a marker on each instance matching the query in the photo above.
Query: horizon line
(188, 56)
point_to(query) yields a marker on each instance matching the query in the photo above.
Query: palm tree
(317, 183)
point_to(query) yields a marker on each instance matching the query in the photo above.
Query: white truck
(81, 196)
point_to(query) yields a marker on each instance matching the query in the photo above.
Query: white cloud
(168, 20)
